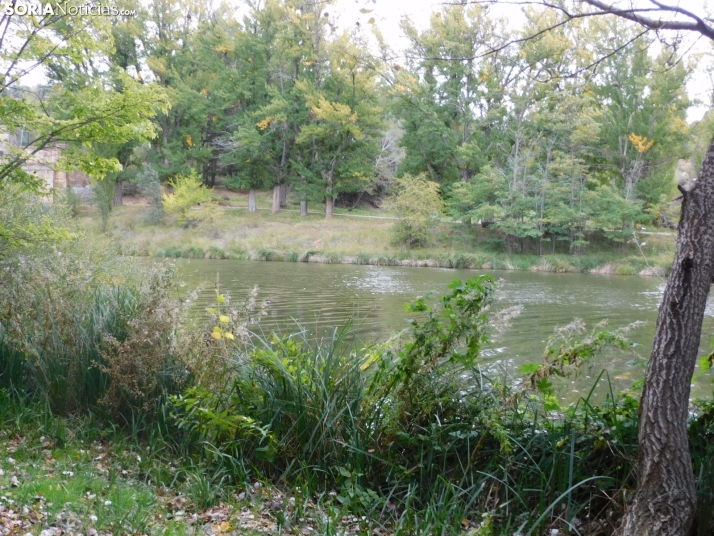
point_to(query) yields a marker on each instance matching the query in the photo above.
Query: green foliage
(150, 187)
(70, 199)
(416, 201)
(27, 223)
(189, 193)
(103, 195)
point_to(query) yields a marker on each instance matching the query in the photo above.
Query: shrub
(416, 201)
(188, 194)
(83, 330)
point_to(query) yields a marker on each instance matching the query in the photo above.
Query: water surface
(320, 296)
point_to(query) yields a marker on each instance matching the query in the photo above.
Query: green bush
(150, 187)
(188, 200)
(416, 201)
(415, 428)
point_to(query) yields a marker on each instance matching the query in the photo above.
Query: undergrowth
(412, 434)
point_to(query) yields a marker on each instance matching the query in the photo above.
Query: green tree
(342, 135)
(416, 201)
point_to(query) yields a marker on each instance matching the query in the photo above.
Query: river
(320, 296)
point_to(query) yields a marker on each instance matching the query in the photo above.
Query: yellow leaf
(212, 310)
(641, 143)
(189, 140)
(216, 329)
(265, 123)
(221, 298)
(216, 336)
(224, 319)
(230, 336)
(371, 21)
(224, 527)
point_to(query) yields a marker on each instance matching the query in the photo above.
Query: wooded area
(577, 129)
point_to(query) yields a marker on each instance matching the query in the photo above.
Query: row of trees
(540, 140)
(568, 131)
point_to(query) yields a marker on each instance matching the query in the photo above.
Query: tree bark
(252, 205)
(283, 195)
(329, 207)
(117, 201)
(303, 208)
(276, 199)
(665, 502)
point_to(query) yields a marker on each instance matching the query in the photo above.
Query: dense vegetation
(413, 433)
(280, 98)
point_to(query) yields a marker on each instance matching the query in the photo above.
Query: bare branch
(697, 24)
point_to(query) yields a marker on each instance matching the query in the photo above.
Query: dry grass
(363, 236)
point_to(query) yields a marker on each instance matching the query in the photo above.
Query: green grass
(98, 480)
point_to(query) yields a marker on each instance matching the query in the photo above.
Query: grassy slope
(359, 237)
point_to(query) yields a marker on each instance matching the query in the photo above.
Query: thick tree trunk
(303, 208)
(665, 503)
(276, 199)
(252, 205)
(118, 199)
(329, 207)
(283, 195)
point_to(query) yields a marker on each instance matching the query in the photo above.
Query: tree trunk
(665, 502)
(283, 195)
(276, 199)
(252, 205)
(117, 201)
(303, 208)
(329, 207)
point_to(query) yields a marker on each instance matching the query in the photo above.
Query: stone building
(44, 163)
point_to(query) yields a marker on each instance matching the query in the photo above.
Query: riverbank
(129, 417)
(235, 233)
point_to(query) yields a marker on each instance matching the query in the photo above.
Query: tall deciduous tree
(342, 137)
(79, 110)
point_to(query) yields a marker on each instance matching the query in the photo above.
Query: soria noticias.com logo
(64, 8)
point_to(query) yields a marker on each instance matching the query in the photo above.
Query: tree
(78, 111)
(85, 108)
(341, 139)
(665, 501)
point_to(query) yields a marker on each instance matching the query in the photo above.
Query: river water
(320, 296)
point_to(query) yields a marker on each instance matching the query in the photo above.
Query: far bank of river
(321, 296)
(235, 234)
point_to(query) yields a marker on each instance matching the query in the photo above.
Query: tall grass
(72, 316)
(413, 431)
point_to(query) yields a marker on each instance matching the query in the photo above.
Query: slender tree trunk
(117, 201)
(252, 205)
(276, 199)
(284, 195)
(329, 207)
(665, 503)
(303, 208)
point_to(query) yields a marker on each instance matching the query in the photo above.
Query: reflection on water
(321, 296)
